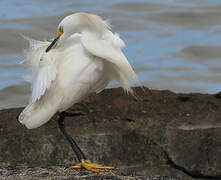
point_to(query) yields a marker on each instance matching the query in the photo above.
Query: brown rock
(161, 133)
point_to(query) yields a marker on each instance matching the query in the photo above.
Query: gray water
(172, 44)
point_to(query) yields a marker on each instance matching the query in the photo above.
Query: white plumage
(86, 58)
(42, 78)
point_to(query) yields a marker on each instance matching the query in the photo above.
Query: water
(172, 44)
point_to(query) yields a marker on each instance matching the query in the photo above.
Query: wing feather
(42, 79)
(109, 48)
(34, 52)
(43, 69)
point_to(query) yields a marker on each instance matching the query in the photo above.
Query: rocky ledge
(160, 135)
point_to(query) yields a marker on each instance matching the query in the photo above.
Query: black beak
(52, 44)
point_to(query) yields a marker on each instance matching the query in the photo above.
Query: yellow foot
(90, 166)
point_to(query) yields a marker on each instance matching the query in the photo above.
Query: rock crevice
(187, 172)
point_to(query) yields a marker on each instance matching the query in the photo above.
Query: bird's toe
(88, 165)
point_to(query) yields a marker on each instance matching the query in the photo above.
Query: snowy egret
(83, 58)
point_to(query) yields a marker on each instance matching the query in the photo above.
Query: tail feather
(39, 112)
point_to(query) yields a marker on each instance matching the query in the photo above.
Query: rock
(195, 150)
(161, 133)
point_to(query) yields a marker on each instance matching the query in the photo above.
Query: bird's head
(77, 23)
(69, 25)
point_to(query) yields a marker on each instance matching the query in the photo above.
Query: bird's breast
(78, 74)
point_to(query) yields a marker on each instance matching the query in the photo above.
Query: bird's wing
(109, 48)
(42, 78)
(34, 52)
(43, 69)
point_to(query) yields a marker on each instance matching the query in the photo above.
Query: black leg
(75, 147)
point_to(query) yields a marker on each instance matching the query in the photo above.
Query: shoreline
(10, 99)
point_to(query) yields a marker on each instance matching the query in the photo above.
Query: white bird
(83, 58)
